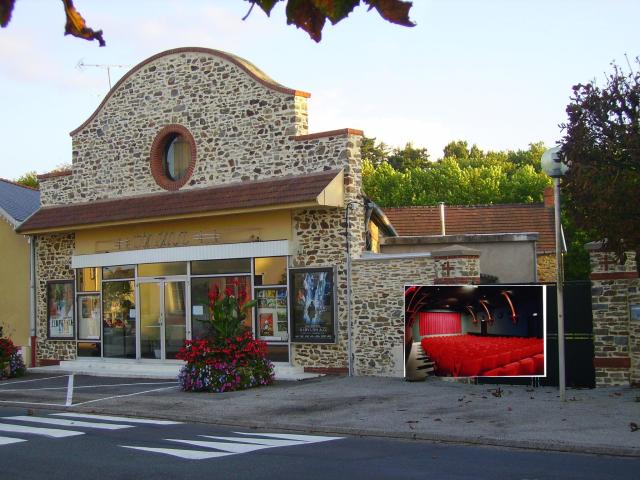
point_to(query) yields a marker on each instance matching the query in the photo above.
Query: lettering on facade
(159, 240)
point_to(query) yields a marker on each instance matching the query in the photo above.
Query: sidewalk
(591, 421)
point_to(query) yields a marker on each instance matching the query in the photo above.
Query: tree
(465, 176)
(29, 179)
(602, 148)
(372, 152)
(408, 157)
(310, 15)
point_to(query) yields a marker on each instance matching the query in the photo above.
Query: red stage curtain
(438, 323)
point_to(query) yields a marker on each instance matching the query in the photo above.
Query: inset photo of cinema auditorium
(475, 331)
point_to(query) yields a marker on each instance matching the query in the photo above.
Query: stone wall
(546, 267)
(456, 265)
(53, 262)
(615, 288)
(378, 310)
(244, 129)
(319, 241)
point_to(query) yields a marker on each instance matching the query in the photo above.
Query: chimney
(442, 223)
(548, 197)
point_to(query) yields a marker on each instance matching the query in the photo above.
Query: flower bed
(237, 364)
(229, 358)
(11, 363)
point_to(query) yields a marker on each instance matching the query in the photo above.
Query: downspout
(32, 297)
(442, 222)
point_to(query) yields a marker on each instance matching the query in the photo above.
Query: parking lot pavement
(41, 389)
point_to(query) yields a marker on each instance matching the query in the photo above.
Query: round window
(176, 158)
(173, 157)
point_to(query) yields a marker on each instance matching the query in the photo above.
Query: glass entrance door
(162, 318)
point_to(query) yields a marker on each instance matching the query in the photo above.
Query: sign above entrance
(163, 240)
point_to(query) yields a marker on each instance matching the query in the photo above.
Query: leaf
(6, 7)
(305, 15)
(265, 5)
(394, 11)
(76, 25)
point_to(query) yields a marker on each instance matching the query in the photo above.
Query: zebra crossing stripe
(258, 441)
(234, 445)
(288, 436)
(9, 440)
(110, 418)
(69, 423)
(186, 454)
(47, 432)
(224, 446)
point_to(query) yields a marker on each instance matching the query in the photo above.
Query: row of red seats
(527, 366)
(470, 356)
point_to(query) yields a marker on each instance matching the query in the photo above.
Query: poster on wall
(475, 331)
(60, 314)
(313, 305)
(89, 317)
(272, 314)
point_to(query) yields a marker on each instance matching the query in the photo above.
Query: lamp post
(553, 166)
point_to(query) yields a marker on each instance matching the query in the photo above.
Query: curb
(535, 445)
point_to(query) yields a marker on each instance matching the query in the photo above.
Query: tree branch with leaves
(309, 15)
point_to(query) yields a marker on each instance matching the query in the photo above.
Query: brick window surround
(157, 156)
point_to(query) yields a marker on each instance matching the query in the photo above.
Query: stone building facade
(245, 133)
(616, 317)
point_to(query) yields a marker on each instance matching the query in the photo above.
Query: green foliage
(602, 149)
(464, 176)
(29, 179)
(228, 312)
(372, 152)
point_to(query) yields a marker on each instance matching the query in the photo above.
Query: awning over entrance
(316, 189)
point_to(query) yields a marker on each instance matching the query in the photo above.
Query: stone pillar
(456, 265)
(615, 292)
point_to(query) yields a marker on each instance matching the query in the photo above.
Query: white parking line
(110, 418)
(69, 423)
(9, 440)
(186, 454)
(47, 432)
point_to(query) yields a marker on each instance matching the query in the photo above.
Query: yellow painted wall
(14, 287)
(236, 228)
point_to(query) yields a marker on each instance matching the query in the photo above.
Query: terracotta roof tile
(459, 220)
(279, 191)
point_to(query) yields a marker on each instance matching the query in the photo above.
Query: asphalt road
(59, 445)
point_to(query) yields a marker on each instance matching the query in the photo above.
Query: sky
(497, 73)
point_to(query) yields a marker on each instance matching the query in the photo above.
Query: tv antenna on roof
(107, 66)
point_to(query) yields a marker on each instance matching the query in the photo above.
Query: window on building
(176, 158)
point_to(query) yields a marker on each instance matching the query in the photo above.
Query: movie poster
(313, 305)
(60, 316)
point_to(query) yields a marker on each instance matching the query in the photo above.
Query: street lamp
(553, 166)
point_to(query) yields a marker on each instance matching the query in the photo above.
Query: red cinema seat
(539, 361)
(504, 358)
(489, 362)
(527, 366)
(496, 372)
(471, 367)
(511, 370)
